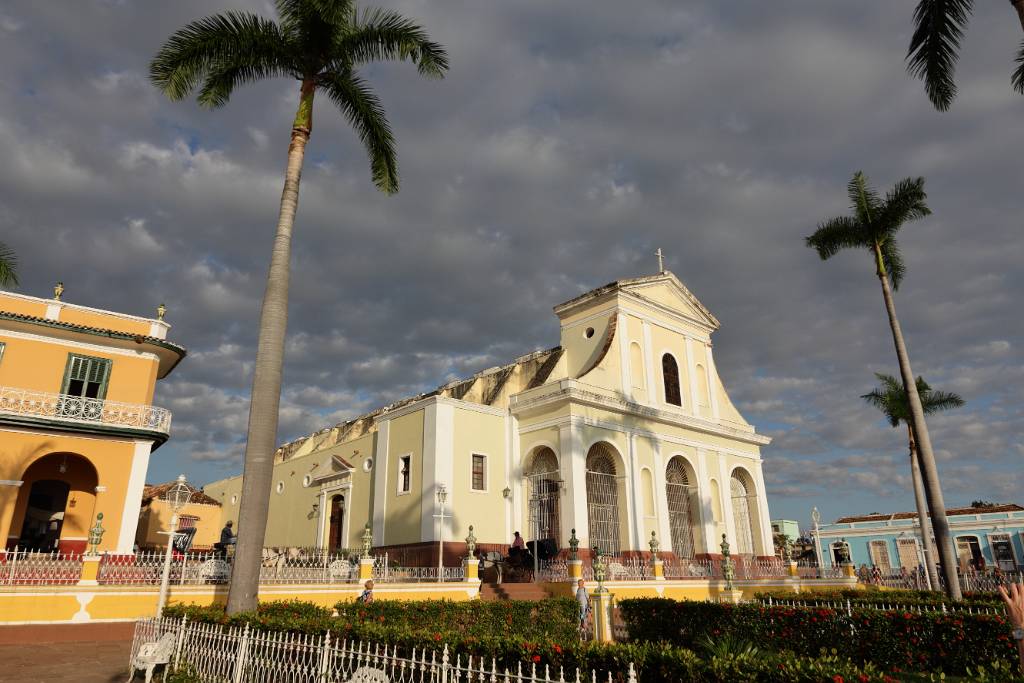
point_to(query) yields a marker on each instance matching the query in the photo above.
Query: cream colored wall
(633, 340)
(647, 505)
(156, 517)
(663, 340)
(405, 437)
(483, 434)
(581, 352)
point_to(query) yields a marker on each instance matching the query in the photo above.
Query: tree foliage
(891, 398)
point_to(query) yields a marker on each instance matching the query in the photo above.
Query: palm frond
(904, 202)
(836, 234)
(935, 45)
(385, 35)
(934, 401)
(1018, 74)
(215, 45)
(864, 200)
(296, 12)
(889, 398)
(893, 260)
(883, 401)
(364, 111)
(8, 266)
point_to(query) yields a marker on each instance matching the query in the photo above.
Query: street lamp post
(442, 497)
(816, 518)
(176, 497)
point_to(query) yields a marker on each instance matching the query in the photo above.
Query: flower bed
(433, 625)
(891, 639)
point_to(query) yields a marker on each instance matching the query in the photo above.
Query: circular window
(280, 486)
(234, 500)
(307, 480)
(367, 464)
(589, 333)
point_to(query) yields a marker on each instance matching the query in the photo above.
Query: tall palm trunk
(932, 489)
(922, 513)
(1019, 6)
(258, 471)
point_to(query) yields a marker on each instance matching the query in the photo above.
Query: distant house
(201, 513)
(787, 527)
(985, 537)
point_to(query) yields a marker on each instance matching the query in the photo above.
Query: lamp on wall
(63, 466)
(506, 492)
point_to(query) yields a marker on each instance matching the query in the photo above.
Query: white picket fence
(223, 654)
(848, 606)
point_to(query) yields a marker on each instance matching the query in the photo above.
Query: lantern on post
(367, 540)
(574, 546)
(176, 498)
(471, 543)
(96, 534)
(728, 573)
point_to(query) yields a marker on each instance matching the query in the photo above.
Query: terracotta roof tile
(152, 491)
(950, 512)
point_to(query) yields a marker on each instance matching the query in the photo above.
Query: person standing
(583, 598)
(227, 537)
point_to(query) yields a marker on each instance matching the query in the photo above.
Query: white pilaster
(623, 340)
(706, 509)
(661, 498)
(768, 546)
(513, 463)
(133, 497)
(691, 376)
(428, 501)
(444, 465)
(635, 508)
(653, 392)
(725, 491)
(712, 382)
(572, 466)
(380, 482)
(321, 540)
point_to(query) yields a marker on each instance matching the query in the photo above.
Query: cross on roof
(661, 260)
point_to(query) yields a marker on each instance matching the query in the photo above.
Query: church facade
(621, 430)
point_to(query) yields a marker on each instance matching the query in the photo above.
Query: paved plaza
(86, 653)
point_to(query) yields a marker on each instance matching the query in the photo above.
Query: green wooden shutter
(87, 370)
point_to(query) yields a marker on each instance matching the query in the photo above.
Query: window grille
(670, 373)
(544, 488)
(404, 472)
(602, 499)
(880, 554)
(906, 550)
(478, 472)
(741, 517)
(681, 496)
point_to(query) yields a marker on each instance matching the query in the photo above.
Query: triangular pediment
(667, 291)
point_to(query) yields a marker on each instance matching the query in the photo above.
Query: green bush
(892, 640)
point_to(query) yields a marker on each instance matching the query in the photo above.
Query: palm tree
(321, 44)
(935, 47)
(873, 226)
(891, 398)
(8, 266)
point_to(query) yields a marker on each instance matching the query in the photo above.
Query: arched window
(681, 505)
(602, 498)
(741, 515)
(670, 374)
(636, 366)
(543, 501)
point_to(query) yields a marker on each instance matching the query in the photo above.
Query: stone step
(512, 591)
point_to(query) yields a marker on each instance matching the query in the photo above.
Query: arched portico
(543, 490)
(607, 515)
(56, 503)
(746, 515)
(682, 494)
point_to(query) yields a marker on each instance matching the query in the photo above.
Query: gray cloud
(570, 140)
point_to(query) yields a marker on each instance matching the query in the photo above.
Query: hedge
(891, 639)
(655, 662)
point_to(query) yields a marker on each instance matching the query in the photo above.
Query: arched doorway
(742, 492)
(544, 486)
(681, 493)
(56, 504)
(335, 535)
(603, 498)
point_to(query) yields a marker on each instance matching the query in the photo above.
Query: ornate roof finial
(661, 260)
(57, 291)
(160, 311)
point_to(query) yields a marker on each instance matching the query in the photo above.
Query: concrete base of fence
(734, 596)
(601, 606)
(575, 571)
(90, 570)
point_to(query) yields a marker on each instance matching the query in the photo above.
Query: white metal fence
(848, 606)
(32, 567)
(972, 581)
(224, 654)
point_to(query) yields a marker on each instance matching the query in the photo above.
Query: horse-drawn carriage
(517, 565)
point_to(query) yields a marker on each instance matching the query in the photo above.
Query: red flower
(536, 658)
(558, 649)
(837, 679)
(437, 636)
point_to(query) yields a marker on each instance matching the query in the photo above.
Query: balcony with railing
(79, 410)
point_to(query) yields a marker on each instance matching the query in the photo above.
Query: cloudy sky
(569, 141)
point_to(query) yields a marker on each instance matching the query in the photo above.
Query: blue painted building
(984, 538)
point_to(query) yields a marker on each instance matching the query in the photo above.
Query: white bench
(152, 655)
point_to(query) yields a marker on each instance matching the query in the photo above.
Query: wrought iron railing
(32, 568)
(210, 652)
(81, 410)
(849, 606)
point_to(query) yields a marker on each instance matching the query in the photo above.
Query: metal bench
(152, 655)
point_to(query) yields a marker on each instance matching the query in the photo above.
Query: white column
(725, 491)
(661, 498)
(380, 482)
(444, 465)
(691, 373)
(572, 466)
(704, 491)
(712, 382)
(634, 507)
(768, 547)
(428, 499)
(513, 465)
(133, 497)
(623, 339)
(653, 392)
(321, 540)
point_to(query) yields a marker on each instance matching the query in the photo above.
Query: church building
(621, 430)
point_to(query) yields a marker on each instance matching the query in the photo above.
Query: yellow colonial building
(621, 430)
(77, 424)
